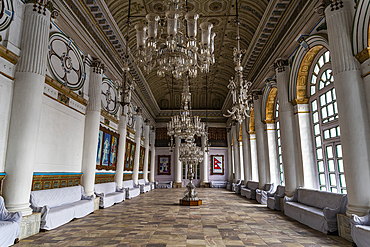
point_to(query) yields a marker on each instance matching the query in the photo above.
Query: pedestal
(204, 185)
(30, 225)
(190, 203)
(344, 227)
(177, 185)
(96, 203)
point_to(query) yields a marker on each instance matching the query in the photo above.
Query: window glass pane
(324, 113)
(314, 105)
(323, 188)
(340, 166)
(278, 141)
(334, 189)
(315, 117)
(326, 134)
(329, 152)
(317, 129)
(321, 61)
(313, 80)
(342, 180)
(321, 85)
(280, 159)
(313, 90)
(331, 166)
(328, 97)
(339, 151)
(327, 56)
(316, 69)
(324, 77)
(279, 150)
(330, 109)
(320, 165)
(338, 130)
(277, 125)
(322, 100)
(333, 132)
(322, 179)
(344, 191)
(334, 94)
(318, 141)
(319, 153)
(333, 179)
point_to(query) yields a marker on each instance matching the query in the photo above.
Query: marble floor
(156, 219)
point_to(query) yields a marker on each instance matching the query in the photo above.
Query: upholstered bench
(360, 230)
(268, 188)
(163, 184)
(316, 209)
(144, 187)
(109, 194)
(249, 191)
(273, 199)
(59, 206)
(132, 190)
(218, 184)
(9, 225)
(235, 185)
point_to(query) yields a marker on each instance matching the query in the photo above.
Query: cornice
(8, 55)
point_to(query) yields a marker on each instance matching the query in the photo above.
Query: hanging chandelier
(172, 46)
(190, 153)
(239, 88)
(185, 126)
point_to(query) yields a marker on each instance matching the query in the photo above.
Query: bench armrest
(100, 195)
(269, 194)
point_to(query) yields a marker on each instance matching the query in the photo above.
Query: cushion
(105, 188)
(56, 197)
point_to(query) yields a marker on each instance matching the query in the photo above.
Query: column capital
(40, 6)
(280, 64)
(97, 66)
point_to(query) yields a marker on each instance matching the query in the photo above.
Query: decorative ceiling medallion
(216, 6)
(109, 96)
(66, 62)
(6, 14)
(160, 8)
(190, 7)
(215, 22)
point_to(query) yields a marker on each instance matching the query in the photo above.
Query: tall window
(325, 125)
(278, 142)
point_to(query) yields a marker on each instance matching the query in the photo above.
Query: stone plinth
(204, 185)
(30, 225)
(177, 185)
(96, 203)
(344, 227)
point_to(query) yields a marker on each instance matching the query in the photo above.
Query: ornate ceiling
(218, 13)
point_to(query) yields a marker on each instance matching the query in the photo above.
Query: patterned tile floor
(155, 219)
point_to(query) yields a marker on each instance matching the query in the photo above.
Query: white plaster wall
(12, 35)
(6, 92)
(60, 139)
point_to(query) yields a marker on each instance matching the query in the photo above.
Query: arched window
(325, 125)
(278, 143)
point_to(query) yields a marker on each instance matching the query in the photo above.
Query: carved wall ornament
(6, 14)
(66, 62)
(280, 64)
(109, 96)
(40, 6)
(97, 65)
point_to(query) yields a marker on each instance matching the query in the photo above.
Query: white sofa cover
(59, 206)
(237, 186)
(316, 209)
(163, 184)
(132, 190)
(273, 199)
(109, 194)
(218, 184)
(144, 186)
(360, 230)
(9, 225)
(249, 191)
(261, 195)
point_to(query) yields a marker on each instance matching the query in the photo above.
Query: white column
(152, 162)
(288, 135)
(254, 157)
(204, 167)
(262, 149)
(178, 170)
(122, 131)
(353, 117)
(234, 132)
(26, 110)
(229, 157)
(246, 153)
(92, 122)
(146, 154)
(307, 147)
(137, 139)
(272, 149)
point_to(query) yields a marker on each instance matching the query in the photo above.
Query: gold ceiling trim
(270, 105)
(252, 129)
(363, 55)
(8, 55)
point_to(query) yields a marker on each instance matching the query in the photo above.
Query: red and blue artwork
(217, 165)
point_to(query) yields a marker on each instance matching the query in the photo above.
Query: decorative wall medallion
(109, 98)
(215, 6)
(215, 22)
(6, 14)
(158, 7)
(66, 62)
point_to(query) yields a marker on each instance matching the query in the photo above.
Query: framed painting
(107, 149)
(142, 156)
(127, 154)
(100, 141)
(132, 157)
(217, 167)
(149, 159)
(164, 165)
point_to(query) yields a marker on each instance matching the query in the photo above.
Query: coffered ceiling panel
(208, 91)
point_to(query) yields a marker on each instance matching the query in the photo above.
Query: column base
(96, 203)
(204, 184)
(23, 208)
(190, 203)
(177, 185)
(344, 227)
(357, 210)
(30, 225)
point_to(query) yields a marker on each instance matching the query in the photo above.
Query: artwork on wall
(130, 155)
(149, 159)
(217, 167)
(142, 156)
(107, 149)
(164, 165)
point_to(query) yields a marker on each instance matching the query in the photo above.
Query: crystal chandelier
(185, 126)
(239, 88)
(175, 49)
